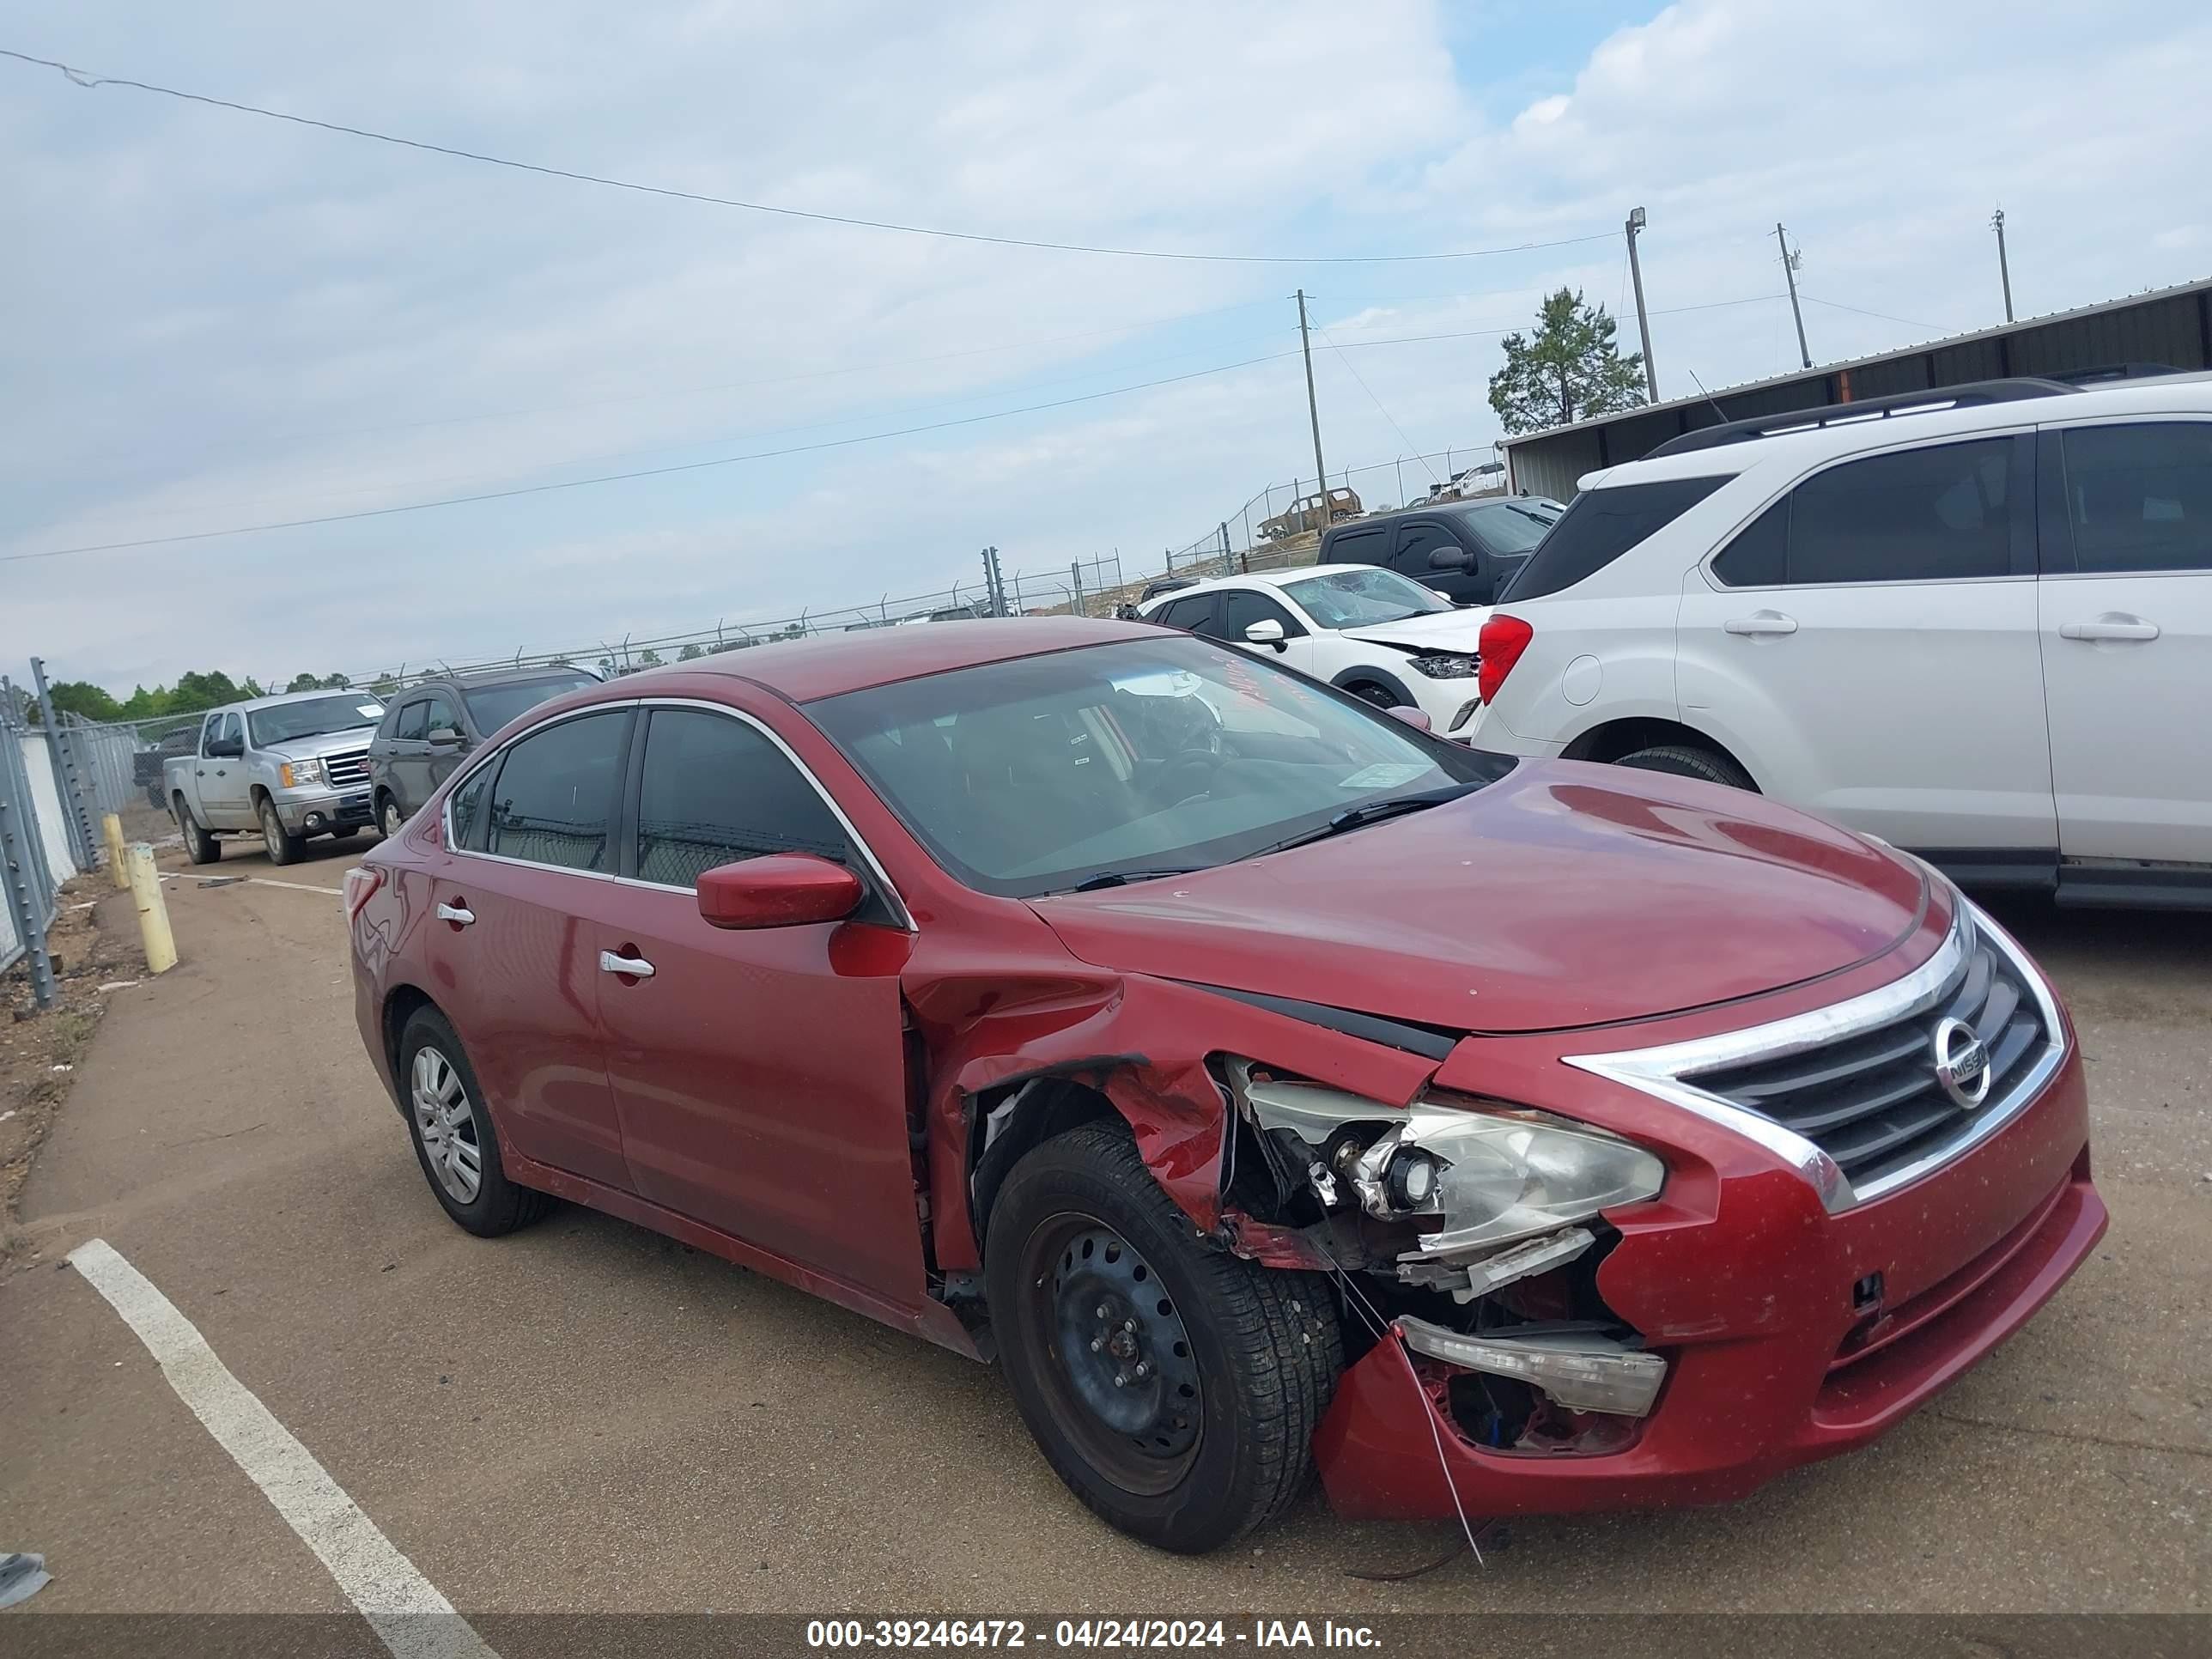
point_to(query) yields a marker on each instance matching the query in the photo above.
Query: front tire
(454, 1140)
(1093, 1273)
(283, 846)
(1689, 760)
(1379, 697)
(200, 847)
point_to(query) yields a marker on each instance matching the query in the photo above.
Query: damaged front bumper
(1752, 1386)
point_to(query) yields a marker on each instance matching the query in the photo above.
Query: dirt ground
(585, 1415)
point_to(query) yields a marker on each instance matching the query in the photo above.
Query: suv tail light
(1503, 639)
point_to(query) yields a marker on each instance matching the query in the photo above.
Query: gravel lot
(586, 1416)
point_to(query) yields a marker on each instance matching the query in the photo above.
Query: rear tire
(445, 1107)
(1214, 1438)
(1687, 761)
(282, 845)
(200, 847)
(390, 821)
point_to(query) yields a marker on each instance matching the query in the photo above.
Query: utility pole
(1643, 325)
(994, 588)
(2004, 270)
(1313, 414)
(1789, 270)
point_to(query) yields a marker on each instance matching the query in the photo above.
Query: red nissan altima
(1267, 1083)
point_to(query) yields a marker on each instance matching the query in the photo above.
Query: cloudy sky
(218, 320)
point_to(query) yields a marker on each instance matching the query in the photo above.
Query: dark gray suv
(1463, 549)
(431, 726)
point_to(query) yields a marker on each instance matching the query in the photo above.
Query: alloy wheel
(448, 1125)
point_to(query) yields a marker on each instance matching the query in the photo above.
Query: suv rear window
(1599, 526)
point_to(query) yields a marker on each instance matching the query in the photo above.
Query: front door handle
(2113, 625)
(636, 967)
(460, 915)
(1761, 622)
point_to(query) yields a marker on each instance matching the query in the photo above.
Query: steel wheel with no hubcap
(447, 1125)
(1123, 1382)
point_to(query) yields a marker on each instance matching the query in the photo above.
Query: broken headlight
(1488, 1173)
(1500, 1177)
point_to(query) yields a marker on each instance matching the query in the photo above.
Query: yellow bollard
(152, 909)
(119, 857)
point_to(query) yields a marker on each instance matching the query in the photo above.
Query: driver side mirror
(226, 747)
(447, 737)
(1413, 717)
(1451, 558)
(782, 890)
(1269, 632)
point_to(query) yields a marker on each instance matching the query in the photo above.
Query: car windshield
(493, 706)
(1030, 776)
(312, 717)
(1353, 598)
(1512, 526)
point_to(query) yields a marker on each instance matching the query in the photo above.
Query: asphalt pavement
(587, 1416)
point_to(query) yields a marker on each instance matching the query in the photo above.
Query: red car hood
(1563, 894)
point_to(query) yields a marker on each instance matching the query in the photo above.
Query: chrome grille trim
(345, 771)
(1668, 1073)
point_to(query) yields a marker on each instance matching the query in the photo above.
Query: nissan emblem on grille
(1962, 1064)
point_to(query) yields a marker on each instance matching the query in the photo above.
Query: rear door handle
(2113, 627)
(1761, 622)
(636, 967)
(460, 915)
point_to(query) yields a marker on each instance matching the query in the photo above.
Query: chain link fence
(38, 850)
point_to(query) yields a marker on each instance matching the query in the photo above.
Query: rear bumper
(1981, 1246)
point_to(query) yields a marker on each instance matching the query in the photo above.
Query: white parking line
(259, 881)
(403, 1607)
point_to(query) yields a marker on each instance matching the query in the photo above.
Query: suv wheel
(200, 847)
(283, 845)
(453, 1138)
(390, 820)
(1689, 760)
(1175, 1389)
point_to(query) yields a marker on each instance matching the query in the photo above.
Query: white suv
(1977, 625)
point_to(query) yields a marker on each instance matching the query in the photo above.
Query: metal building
(2171, 326)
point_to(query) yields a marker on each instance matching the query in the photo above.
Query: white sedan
(1371, 631)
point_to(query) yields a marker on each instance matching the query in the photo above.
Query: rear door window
(1600, 525)
(2139, 497)
(1358, 547)
(554, 801)
(1191, 613)
(1941, 513)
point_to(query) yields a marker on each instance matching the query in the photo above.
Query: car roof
(2170, 394)
(1276, 579)
(828, 665)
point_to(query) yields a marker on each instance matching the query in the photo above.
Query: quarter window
(465, 809)
(1598, 527)
(554, 801)
(2140, 497)
(714, 791)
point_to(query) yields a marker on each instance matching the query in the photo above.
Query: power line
(87, 78)
(646, 472)
(1377, 402)
(1933, 328)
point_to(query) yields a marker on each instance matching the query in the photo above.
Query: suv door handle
(460, 915)
(1761, 622)
(636, 967)
(2111, 626)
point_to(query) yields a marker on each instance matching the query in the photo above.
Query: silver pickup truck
(285, 768)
